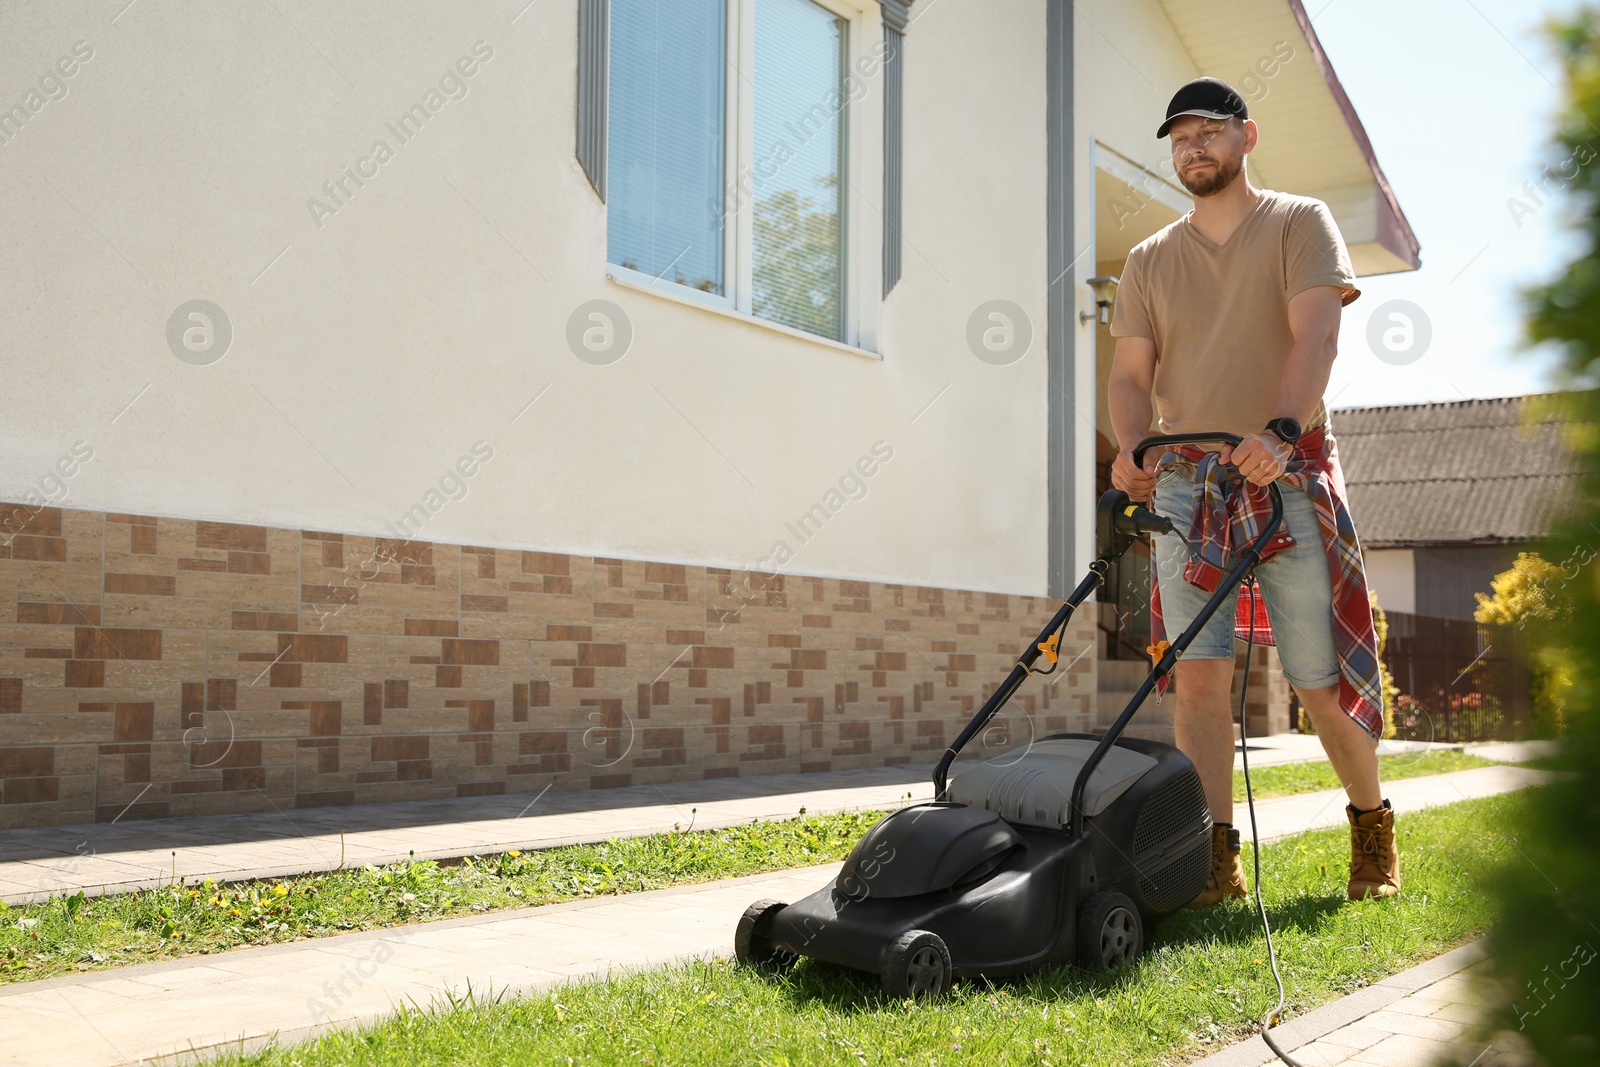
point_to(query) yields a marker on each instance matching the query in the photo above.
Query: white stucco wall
(372, 351)
(1128, 63)
(1131, 62)
(1392, 574)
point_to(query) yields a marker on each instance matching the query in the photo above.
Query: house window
(726, 161)
(797, 173)
(667, 154)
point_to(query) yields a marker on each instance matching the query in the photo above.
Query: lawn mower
(1069, 849)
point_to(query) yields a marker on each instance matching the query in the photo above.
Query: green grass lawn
(1204, 982)
(73, 933)
(1286, 778)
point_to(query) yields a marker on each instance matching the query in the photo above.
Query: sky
(1459, 98)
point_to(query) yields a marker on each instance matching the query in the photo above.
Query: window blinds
(667, 146)
(797, 166)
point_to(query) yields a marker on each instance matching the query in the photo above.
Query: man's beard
(1222, 173)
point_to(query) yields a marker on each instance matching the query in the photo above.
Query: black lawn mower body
(1066, 850)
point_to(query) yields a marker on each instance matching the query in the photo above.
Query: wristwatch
(1285, 428)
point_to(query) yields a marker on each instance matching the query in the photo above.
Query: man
(1229, 320)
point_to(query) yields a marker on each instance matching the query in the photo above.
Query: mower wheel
(917, 966)
(752, 939)
(1110, 933)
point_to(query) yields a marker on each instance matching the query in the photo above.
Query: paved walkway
(131, 1014)
(1304, 811)
(1417, 1018)
(1511, 751)
(1272, 749)
(1303, 748)
(41, 862)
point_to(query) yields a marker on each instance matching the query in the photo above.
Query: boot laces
(1370, 842)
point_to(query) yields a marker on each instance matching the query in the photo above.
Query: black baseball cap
(1210, 98)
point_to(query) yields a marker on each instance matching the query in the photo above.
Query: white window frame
(861, 265)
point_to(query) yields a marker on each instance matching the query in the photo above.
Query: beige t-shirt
(1219, 315)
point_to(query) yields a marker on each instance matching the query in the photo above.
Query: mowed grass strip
(77, 933)
(1205, 982)
(1285, 779)
(74, 933)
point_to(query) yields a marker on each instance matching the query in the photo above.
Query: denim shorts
(1295, 584)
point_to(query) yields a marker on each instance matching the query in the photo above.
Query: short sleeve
(1130, 314)
(1315, 254)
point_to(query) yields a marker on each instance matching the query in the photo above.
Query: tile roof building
(1445, 495)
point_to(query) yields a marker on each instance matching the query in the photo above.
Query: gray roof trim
(1487, 471)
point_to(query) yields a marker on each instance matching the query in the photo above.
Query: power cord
(1276, 1014)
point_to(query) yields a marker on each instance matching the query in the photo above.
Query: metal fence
(1459, 680)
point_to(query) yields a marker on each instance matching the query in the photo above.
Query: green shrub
(1532, 594)
(1543, 865)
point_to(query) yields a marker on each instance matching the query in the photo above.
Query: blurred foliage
(1530, 595)
(1543, 865)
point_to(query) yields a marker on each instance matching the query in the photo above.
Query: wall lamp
(1105, 295)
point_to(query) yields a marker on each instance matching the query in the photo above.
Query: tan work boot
(1374, 860)
(1227, 873)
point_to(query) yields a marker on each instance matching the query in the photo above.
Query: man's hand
(1260, 457)
(1138, 483)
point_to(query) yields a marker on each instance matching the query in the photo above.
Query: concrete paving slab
(1412, 1019)
(1276, 749)
(1306, 811)
(42, 862)
(1512, 751)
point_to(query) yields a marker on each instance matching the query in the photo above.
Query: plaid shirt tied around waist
(1232, 513)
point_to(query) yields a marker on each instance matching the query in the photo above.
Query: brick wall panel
(211, 661)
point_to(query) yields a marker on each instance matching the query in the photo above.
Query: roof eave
(1394, 231)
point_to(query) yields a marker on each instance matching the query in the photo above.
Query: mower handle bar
(1180, 439)
(1225, 588)
(1097, 573)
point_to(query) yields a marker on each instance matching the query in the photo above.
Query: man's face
(1207, 153)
